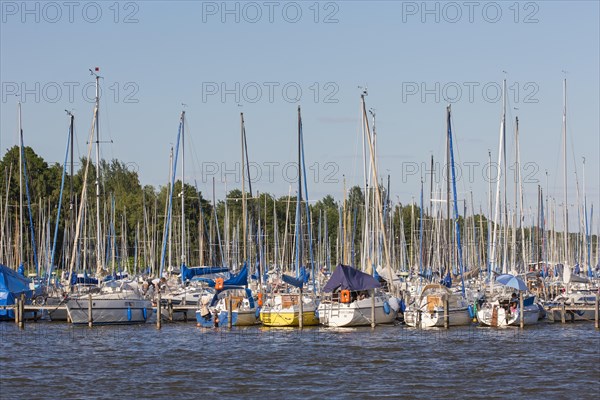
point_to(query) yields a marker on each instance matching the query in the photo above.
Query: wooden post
(521, 311)
(90, 316)
(22, 312)
(446, 313)
(158, 311)
(301, 309)
(373, 322)
(185, 311)
(597, 311)
(562, 313)
(170, 309)
(230, 312)
(16, 310)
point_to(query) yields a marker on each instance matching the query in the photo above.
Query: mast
(244, 211)
(183, 188)
(299, 199)
(458, 241)
(365, 256)
(21, 259)
(493, 251)
(520, 187)
(71, 192)
(449, 219)
(99, 265)
(565, 213)
(489, 222)
(505, 218)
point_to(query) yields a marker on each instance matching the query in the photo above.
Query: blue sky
(156, 55)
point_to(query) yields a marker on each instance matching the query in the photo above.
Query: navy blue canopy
(348, 278)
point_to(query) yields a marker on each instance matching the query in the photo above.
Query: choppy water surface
(51, 360)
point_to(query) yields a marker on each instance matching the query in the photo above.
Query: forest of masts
(421, 238)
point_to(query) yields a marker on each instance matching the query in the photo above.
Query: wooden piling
(521, 311)
(170, 309)
(16, 310)
(230, 312)
(158, 312)
(301, 308)
(90, 316)
(373, 322)
(446, 313)
(597, 312)
(22, 312)
(19, 312)
(562, 313)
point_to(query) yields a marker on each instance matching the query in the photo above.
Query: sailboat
(579, 293)
(55, 296)
(499, 305)
(502, 308)
(116, 301)
(354, 300)
(288, 309)
(14, 284)
(428, 309)
(356, 297)
(233, 294)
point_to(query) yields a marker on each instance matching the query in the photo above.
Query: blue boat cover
(12, 284)
(240, 279)
(300, 280)
(189, 273)
(348, 278)
(235, 281)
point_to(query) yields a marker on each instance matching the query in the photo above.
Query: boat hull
(109, 311)
(496, 316)
(238, 318)
(357, 313)
(425, 319)
(55, 311)
(276, 318)
(571, 315)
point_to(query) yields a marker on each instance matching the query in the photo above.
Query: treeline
(135, 235)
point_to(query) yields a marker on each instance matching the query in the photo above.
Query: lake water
(54, 360)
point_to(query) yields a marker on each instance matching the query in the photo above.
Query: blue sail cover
(240, 279)
(348, 278)
(189, 273)
(12, 284)
(300, 280)
(234, 281)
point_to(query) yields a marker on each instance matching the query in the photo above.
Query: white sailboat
(352, 297)
(116, 302)
(428, 309)
(354, 300)
(579, 292)
(437, 302)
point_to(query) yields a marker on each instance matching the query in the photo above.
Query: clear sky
(264, 58)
